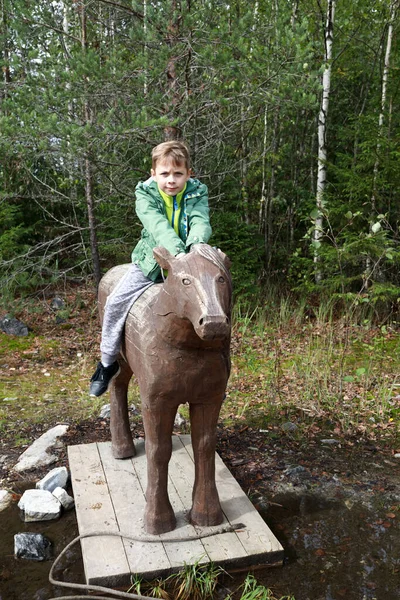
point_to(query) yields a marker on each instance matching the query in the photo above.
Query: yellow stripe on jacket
(173, 213)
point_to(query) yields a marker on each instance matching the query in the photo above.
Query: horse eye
(221, 279)
(186, 281)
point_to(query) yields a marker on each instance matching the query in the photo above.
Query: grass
(289, 362)
(252, 590)
(200, 582)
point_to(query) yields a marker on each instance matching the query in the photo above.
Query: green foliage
(252, 590)
(249, 111)
(243, 245)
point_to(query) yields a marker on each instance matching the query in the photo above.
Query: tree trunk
(393, 7)
(322, 141)
(87, 115)
(173, 131)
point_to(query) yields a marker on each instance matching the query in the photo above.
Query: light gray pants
(117, 307)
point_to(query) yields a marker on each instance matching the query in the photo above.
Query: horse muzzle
(213, 327)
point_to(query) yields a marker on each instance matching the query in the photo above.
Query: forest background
(291, 111)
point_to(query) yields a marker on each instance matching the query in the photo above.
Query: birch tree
(393, 8)
(322, 136)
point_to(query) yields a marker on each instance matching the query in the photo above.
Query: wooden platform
(109, 496)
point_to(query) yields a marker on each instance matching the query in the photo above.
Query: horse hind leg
(122, 442)
(206, 508)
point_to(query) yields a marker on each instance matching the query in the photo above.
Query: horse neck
(173, 329)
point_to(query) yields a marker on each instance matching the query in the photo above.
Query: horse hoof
(206, 519)
(158, 525)
(127, 451)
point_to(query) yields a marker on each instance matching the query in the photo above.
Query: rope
(116, 593)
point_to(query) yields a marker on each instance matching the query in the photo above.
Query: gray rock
(179, 420)
(289, 426)
(5, 499)
(32, 546)
(55, 478)
(57, 303)
(12, 326)
(65, 499)
(296, 470)
(105, 411)
(36, 455)
(39, 505)
(330, 442)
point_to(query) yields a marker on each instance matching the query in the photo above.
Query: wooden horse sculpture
(177, 338)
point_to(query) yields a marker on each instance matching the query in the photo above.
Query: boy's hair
(175, 151)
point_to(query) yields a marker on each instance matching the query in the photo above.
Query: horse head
(198, 288)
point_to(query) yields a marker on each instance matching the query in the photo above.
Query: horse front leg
(158, 424)
(121, 436)
(206, 509)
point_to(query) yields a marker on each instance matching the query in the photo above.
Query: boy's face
(171, 178)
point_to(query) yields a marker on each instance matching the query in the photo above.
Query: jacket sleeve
(155, 222)
(199, 218)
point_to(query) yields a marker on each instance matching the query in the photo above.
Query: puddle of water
(334, 550)
(22, 579)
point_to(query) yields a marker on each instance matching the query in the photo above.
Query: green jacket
(194, 223)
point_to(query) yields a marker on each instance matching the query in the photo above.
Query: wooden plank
(178, 552)
(129, 502)
(104, 557)
(222, 547)
(110, 494)
(256, 538)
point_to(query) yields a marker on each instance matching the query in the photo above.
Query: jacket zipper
(174, 208)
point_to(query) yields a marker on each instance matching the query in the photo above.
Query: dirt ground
(264, 462)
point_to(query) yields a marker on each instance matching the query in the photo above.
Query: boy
(173, 209)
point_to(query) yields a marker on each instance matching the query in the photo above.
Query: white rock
(5, 499)
(55, 478)
(36, 455)
(65, 499)
(39, 505)
(179, 420)
(397, 455)
(105, 411)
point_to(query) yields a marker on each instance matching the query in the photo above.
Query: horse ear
(225, 259)
(163, 257)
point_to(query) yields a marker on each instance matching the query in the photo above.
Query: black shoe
(102, 378)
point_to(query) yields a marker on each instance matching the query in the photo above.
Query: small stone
(55, 478)
(397, 455)
(12, 326)
(289, 426)
(57, 303)
(330, 442)
(105, 411)
(39, 505)
(179, 420)
(32, 546)
(296, 470)
(5, 499)
(65, 499)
